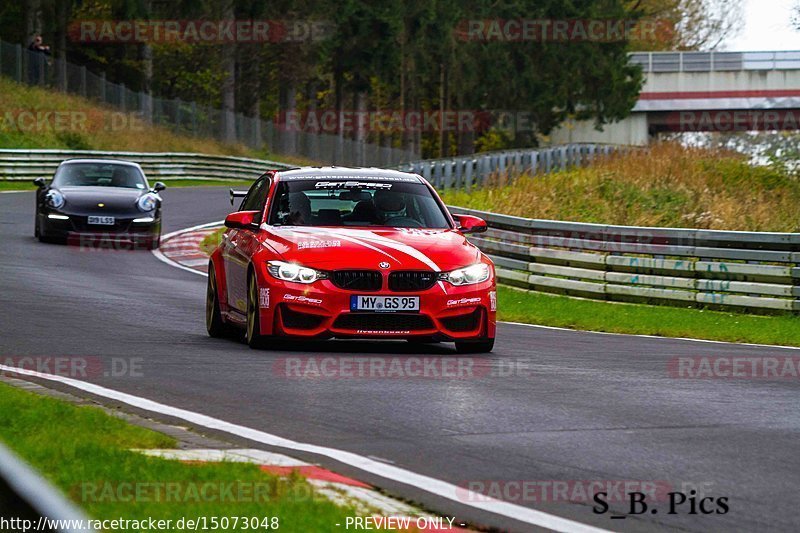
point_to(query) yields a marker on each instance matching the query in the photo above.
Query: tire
(253, 337)
(215, 324)
(478, 346)
(154, 243)
(36, 232)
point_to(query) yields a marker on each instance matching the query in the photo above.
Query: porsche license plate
(102, 221)
(384, 303)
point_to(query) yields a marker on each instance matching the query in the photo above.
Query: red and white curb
(340, 489)
(184, 248)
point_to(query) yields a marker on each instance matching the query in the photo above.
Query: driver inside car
(389, 205)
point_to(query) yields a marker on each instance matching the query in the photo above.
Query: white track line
(386, 471)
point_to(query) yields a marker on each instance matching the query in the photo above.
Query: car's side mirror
(159, 186)
(40, 182)
(470, 224)
(242, 220)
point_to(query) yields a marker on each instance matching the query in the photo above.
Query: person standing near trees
(38, 59)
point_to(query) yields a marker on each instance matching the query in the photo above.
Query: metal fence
(715, 61)
(190, 118)
(479, 170)
(685, 267)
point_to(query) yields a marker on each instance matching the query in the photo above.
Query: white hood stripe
(339, 235)
(404, 248)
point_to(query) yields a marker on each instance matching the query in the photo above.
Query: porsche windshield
(99, 175)
(350, 202)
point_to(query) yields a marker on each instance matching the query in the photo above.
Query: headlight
(293, 272)
(477, 273)
(55, 199)
(147, 202)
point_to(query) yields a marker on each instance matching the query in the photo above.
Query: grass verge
(665, 185)
(211, 241)
(86, 452)
(69, 122)
(517, 305)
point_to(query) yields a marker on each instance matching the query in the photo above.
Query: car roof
(102, 162)
(365, 174)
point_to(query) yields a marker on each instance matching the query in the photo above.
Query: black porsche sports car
(93, 202)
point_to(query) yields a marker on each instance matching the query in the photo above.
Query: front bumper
(322, 310)
(125, 233)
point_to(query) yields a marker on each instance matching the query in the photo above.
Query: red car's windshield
(350, 202)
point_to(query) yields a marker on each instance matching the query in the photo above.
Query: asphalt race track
(577, 406)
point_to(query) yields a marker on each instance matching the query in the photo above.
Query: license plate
(384, 303)
(104, 221)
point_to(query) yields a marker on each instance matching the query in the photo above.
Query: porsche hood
(115, 200)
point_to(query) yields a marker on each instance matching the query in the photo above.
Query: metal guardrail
(25, 495)
(476, 170)
(459, 172)
(759, 271)
(31, 164)
(715, 61)
(687, 267)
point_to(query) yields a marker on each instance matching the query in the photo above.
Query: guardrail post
(426, 170)
(448, 174)
(459, 168)
(468, 167)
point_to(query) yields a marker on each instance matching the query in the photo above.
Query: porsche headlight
(147, 202)
(55, 199)
(477, 273)
(294, 272)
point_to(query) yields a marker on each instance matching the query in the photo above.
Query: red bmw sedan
(350, 253)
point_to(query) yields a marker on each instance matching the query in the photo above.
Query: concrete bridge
(703, 91)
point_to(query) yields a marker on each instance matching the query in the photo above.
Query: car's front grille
(383, 322)
(411, 280)
(357, 280)
(297, 320)
(466, 322)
